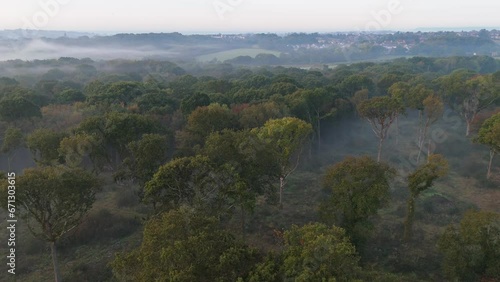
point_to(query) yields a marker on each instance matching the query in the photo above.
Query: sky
(228, 16)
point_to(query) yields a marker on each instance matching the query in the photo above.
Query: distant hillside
(288, 49)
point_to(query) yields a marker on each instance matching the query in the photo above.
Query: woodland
(150, 170)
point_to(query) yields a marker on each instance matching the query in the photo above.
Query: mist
(39, 49)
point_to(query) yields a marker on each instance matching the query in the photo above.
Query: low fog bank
(38, 49)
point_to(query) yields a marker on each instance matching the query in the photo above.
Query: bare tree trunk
(467, 132)
(410, 213)
(381, 141)
(243, 222)
(282, 186)
(419, 151)
(53, 252)
(397, 130)
(420, 135)
(492, 154)
(319, 134)
(429, 150)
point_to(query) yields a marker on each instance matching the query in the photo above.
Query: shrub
(101, 226)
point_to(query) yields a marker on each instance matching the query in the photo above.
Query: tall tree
(433, 110)
(111, 133)
(253, 163)
(399, 91)
(256, 115)
(286, 136)
(53, 201)
(316, 252)
(489, 135)
(381, 113)
(146, 156)
(469, 93)
(44, 145)
(313, 106)
(18, 107)
(479, 94)
(74, 148)
(420, 180)
(117, 93)
(471, 250)
(193, 181)
(205, 120)
(192, 102)
(358, 188)
(185, 245)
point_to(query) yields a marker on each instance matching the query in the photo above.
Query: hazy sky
(208, 16)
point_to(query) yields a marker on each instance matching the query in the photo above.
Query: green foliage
(115, 130)
(469, 94)
(123, 128)
(190, 103)
(90, 130)
(471, 251)
(156, 102)
(416, 96)
(188, 181)
(74, 148)
(313, 106)
(269, 270)
(146, 156)
(316, 252)
(117, 93)
(452, 86)
(286, 136)
(13, 139)
(101, 226)
(183, 245)
(420, 180)
(380, 110)
(381, 113)
(489, 133)
(205, 120)
(358, 188)
(252, 158)
(256, 115)
(249, 159)
(17, 108)
(399, 91)
(69, 96)
(423, 177)
(53, 200)
(433, 108)
(44, 145)
(354, 83)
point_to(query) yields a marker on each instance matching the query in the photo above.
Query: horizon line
(115, 32)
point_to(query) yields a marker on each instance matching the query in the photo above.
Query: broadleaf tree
(380, 112)
(420, 180)
(53, 201)
(287, 137)
(489, 135)
(357, 188)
